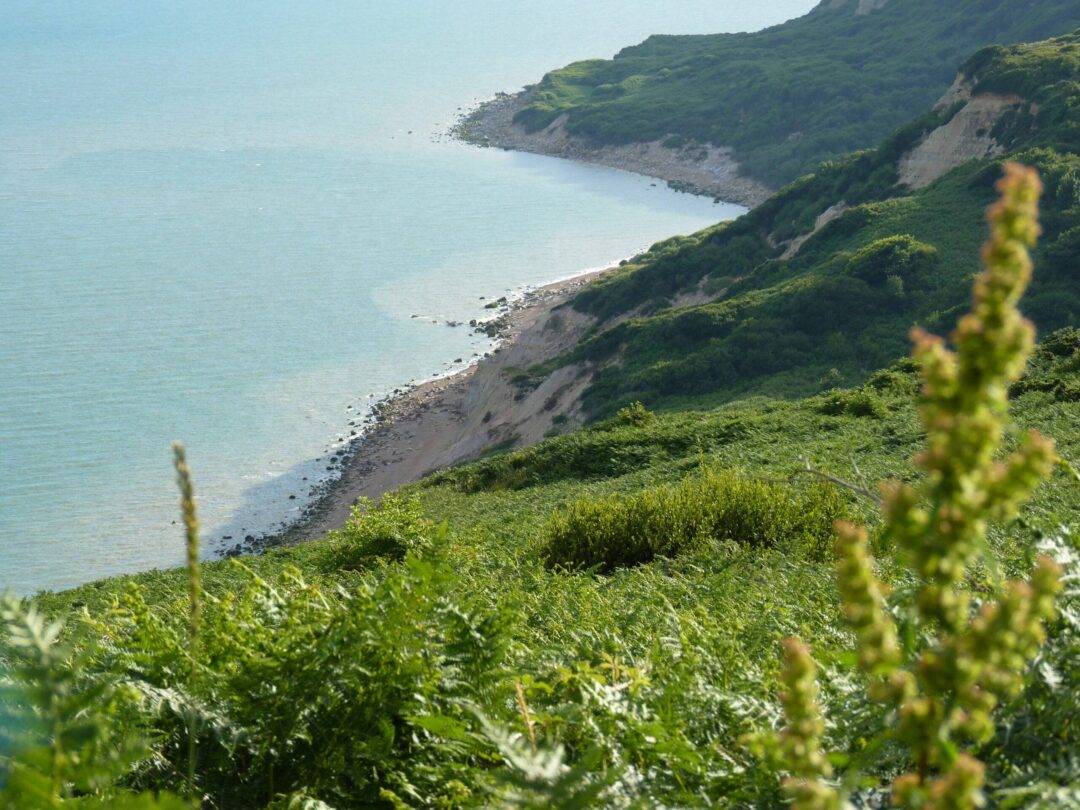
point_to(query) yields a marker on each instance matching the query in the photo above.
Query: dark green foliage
(1060, 255)
(902, 256)
(1052, 368)
(612, 448)
(853, 402)
(389, 531)
(346, 694)
(846, 299)
(1046, 75)
(733, 255)
(791, 96)
(619, 531)
(658, 669)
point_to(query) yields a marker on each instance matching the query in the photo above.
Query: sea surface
(218, 221)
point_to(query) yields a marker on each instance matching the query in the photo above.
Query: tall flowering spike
(960, 788)
(963, 408)
(1001, 640)
(191, 543)
(864, 606)
(801, 738)
(1011, 483)
(961, 665)
(191, 536)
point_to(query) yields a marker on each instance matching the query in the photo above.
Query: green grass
(789, 97)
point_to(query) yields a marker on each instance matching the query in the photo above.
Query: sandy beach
(454, 419)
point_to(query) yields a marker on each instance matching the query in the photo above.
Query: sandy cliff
(968, 135)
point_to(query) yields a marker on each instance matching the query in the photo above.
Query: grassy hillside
(841, 306)
(345, 667)
(789, 97)
(597, 620)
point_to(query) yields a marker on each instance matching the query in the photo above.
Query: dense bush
(784, 324)
(619, 531)
(628, 441)
(635, 415)
(388, 531)
(302, 687)
(902, 256)
(65, 731)
(853, 402)
(846, 299)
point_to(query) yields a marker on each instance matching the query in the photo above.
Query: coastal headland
(692, 167)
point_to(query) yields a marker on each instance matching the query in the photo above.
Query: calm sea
(218, 219)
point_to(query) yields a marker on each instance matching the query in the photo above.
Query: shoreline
(694, 168)
(434, 424)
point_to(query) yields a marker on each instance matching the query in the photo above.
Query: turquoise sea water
(217, 219)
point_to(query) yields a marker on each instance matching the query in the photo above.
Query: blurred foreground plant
(939, 675)
(65, 732)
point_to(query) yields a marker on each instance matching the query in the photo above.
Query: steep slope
(819, 284)
(771, 104)
(358, 680)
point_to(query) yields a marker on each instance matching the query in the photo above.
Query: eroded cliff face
(866, 6)
(967, 136)
(861, 7)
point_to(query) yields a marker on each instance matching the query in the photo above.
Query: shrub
(388, 531)
(329, 690)
(635, 414)
(626, 530)
(902, 256)
(854, 402)
(1059, 257)
(899, 378)
(895, 286)
(830, 379)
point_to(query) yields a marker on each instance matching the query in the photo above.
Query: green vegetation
(789, 97)
(889, 258)
(939, 685)
(597, 620)
(388, 531)
(346, 685)
(618, 531)
(903, 257)
(1044, 73)
(64, 732)
(398, 680)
